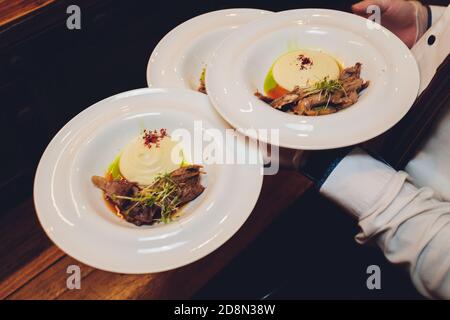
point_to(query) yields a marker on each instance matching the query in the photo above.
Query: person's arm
(410, 226)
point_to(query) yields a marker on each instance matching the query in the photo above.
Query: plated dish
(108, 141)
(311, 83)
(181, 57)
(329, 102)
(148, 182)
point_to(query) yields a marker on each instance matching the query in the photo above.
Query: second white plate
(179, 58)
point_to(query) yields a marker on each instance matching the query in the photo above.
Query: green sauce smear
(113, 168)
(269, 82)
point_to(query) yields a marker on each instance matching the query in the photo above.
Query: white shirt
(407, 214)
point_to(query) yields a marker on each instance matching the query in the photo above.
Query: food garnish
(153, 137)
(202, 87)
(304, 61)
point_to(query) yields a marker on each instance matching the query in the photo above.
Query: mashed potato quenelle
(142, 164)
(299, 68)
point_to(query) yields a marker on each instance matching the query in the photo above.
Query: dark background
(48, 74)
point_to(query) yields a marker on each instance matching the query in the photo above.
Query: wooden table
(33, 268)
(11, 11)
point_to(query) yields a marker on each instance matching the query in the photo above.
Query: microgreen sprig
(164, 192)
(325, 87)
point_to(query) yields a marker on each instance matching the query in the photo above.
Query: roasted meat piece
(309, 102)
(113, 188)
(289, 99)
(185, 182)
(353, 71)
(262, 97)
(188, 178)
(143, 215)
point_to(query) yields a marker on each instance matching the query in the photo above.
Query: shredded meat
(300, 102)
(118, 188)
(309, 102)
(187, 178)
(288, 99)
(202, 87)
(264, 98)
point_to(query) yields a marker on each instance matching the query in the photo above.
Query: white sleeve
(436, 13)
(410, 226)
(430, 56)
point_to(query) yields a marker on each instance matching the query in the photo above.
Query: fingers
(360, 7)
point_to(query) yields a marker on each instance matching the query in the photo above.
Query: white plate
(179, 58)
(76, 219)
(239, 65)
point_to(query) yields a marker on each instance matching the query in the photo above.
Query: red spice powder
(153, 137)
(305, 61)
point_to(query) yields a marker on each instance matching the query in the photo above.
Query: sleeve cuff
(436, 13)
(357, 182)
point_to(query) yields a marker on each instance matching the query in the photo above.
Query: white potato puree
(287, 71)
(141, 164)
